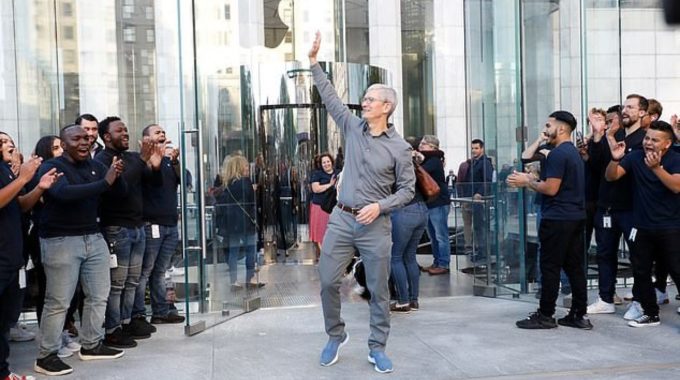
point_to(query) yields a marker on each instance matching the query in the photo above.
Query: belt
(353, 211)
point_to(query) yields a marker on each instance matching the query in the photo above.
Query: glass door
(493, 210)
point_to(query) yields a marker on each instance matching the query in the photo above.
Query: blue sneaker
(331, 352)
(383, 364)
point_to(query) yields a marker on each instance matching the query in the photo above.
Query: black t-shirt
(322, 178)
(11, 243)
(565, 163)
(654, 205)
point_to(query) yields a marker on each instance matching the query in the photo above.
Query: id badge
(22, 278)
(633, 232)
(155, 231)
(30, 264)
(607, 221)
(113, 261)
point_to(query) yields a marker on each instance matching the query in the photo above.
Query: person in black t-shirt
(121, 219)
(74, 251)
(614, 216)
(12, 274)
(655, 172)
(162, 238)
(561, 229)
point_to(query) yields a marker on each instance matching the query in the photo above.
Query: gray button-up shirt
(377, 168)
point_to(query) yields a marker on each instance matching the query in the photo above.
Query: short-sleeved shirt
(654, 205)
(565, 163)
(322, 178)
(11, 243)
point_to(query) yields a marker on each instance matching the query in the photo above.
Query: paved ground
(458, 337)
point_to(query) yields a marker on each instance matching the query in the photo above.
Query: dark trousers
(10, 308)
(608, 240)
(562, 248)
(646, 247)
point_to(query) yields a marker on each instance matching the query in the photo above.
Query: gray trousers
(374, 241)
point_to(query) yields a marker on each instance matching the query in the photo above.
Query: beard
(627, 121)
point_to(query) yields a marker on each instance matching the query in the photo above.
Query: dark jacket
(235, 209)
(125, 209)
(160, 202)
(434, 166)
(616, 195)
(478, 177)
(71, 203)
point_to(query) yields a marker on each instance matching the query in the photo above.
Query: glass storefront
(227, 79)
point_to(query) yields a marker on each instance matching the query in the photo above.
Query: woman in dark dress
(236, 218)
(322, 179)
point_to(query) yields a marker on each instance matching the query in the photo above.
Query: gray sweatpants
(374, 242)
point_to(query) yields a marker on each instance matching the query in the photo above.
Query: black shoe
(256, 285)
(137, 329)
(405, 309)
(170, 318)
(536, 321)
(414, 305)
(677, 297)
(571, 320)
(141, 321)
(119, 339)
(100, 351)
(645, 321)
(51, 365)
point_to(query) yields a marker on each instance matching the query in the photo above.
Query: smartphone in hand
(579, 139)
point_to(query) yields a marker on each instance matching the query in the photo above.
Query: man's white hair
(387, 94)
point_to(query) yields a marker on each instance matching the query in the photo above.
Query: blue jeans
(438, 231)
(608, 240)
(408, 225)
(128, 246)
(236, 243)
(67, 260)
(10, 308)
(564, 280)
(157, 255)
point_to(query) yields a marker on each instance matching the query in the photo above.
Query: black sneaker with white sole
(170, 318)
(645, 321)
(537, 321)
(571, 320)
(119, 339)
(99, 352)
(51, 365)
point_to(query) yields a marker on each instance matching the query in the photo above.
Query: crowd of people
(96, 223)
(621, 180)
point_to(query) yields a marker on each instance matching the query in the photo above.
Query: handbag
(426, 184)
(330, 200)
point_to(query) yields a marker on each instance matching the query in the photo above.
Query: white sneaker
(679, 310)
(69, 343)
(20, 333)
(64, 352)
(601, 307)
(14, 376)
(634, 311)
(628, 296)
(661, 297)
(617, 300)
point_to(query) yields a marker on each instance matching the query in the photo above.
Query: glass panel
(35, 59)
(494, 102)
(417, 45)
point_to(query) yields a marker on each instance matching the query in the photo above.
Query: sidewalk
(448, 338)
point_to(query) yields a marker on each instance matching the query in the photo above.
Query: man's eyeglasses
(370, 99)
